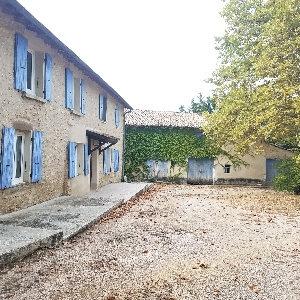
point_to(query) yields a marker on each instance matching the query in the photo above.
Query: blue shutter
(69, 89)
(86, 159)
(7, 151)
(116, 160)
(105, 161)
(82, 97)
(20, 63)
(48, 77)
(101, 107)
(111, 160)
(37, 149)
(117, 116)
(71, 158)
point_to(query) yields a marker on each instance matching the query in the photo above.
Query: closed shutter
(101, 107)
(116, 160)
(117, 116)
(37, 149)
(105, 161)
(7, 153)
(86, 159)
(82, 97)
(20, 63)
(111, 160)
(48, 77)
(72, 158)
(69, 88)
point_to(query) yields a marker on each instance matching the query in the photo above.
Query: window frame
(33, 67)
(227, 169)
(18, 180)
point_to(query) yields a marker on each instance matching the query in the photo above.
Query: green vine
(162, 143)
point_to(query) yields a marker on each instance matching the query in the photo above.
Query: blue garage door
(200, 171)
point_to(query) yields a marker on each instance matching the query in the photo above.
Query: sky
(155, 53)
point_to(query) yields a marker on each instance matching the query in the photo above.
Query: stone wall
(58, 124)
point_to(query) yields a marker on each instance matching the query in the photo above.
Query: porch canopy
(103, 140)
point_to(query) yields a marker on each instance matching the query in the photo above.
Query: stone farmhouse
(62, 124)
(260, 168)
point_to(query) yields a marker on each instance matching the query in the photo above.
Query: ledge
(33, 97)
(74, 112)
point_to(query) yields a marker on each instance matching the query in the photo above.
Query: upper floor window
(117, 116)
(75, 92)
(32, 70)
(102, 107)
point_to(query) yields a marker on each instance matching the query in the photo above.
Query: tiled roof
(139, 117)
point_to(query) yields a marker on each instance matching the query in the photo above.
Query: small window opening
(227, 168)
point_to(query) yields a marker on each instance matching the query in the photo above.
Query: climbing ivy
(162, 143)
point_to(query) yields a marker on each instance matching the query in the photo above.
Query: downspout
(124, 132)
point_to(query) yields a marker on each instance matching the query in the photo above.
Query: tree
(204, 104)
(257, 82)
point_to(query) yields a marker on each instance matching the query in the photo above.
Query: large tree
(258, 78)
(203, 104)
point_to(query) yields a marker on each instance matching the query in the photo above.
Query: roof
(21, 15)
(139, 117)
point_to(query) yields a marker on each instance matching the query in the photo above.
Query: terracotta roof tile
(139, 117)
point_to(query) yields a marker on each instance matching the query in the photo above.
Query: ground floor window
(21, 157)
(78, 159)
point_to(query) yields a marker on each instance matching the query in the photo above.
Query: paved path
(47, 224)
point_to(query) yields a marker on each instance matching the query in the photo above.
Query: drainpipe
(124, 132)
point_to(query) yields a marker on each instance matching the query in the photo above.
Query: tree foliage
(204, 104)
(258, 78)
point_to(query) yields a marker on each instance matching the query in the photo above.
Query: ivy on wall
(162, 143)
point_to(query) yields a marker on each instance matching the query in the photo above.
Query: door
(162, 169)
(200, 171)
(271, 170)
(151, 167)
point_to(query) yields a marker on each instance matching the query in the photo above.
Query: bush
(288, 178)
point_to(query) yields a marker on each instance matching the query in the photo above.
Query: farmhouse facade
(260, 169)
(62, 124)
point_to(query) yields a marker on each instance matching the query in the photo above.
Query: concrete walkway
(49, 223)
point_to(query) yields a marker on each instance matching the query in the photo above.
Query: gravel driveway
(174, 242)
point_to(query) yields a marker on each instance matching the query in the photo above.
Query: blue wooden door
(162, 169)
(151, 165)
(200, 171)
(271, 170)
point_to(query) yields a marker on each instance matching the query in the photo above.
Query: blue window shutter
(69, 89)
(111, 160)
(7, 151)
(48, 77)
(116, 160)
(37, 150)
(20, 63)
(82, 97)
(101, 107)
(105, 161)
(86, 160)
(117, 116)
(71, 159)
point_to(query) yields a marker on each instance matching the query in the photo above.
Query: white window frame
(32, 90)
(19, 180)
(79, 156)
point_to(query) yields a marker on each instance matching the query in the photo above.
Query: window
(75, 92)
(227, 168)
(32, 70)
(21, 157)
(102, 107)
(117, 116)
(105, 161)
(78, 159)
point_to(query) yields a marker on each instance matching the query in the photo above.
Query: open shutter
(20, 63)
(37, 149)
(69, 89)
(86, 159)
(101, 107)
(7, 151)
(105, 161)
(117, 116)
(72, 158)
(116, 160)
(48, 77)
(82, 97)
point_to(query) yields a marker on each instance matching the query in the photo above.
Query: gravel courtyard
(174, 242)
